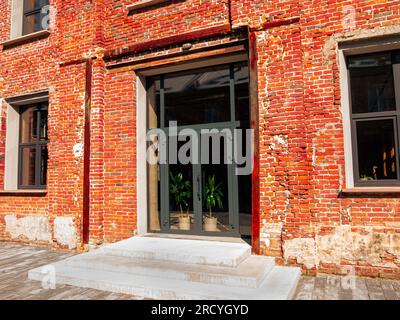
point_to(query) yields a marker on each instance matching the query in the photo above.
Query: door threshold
(193, 237)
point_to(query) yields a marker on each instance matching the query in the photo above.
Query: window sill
(25, 39)
(371, 191)
(144, 4)
(23, 192)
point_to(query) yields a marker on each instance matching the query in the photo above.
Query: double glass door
(195, 191)
(200, 195)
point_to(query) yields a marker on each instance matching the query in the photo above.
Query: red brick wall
(160, 21)
(120, 156)
(304, 220)
(33, 67)
(302, 148)
(5, 8)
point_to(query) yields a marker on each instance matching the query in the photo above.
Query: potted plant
(180, 190)
(212, 198)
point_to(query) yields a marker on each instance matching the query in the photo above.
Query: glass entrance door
(195, 191)
(218, 184)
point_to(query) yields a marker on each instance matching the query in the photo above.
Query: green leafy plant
(365, 177)
(180, 191)
(213, 194)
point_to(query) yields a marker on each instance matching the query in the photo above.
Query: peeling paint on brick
(32, 228)
(65, 232)
(302, 250)
(367, 245)
(78, 150)
(278, 142)
(270, 231)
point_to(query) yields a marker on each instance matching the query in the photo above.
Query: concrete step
(250, 273)
(279, 284)
(182, 251)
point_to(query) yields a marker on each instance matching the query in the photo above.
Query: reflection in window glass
(198, 97)
(29, 120)
(32, 23)
(372, 84)
(34, 18)
(44, 157)
(28, 158)
(377, 154)
(242, 94)
(33, 146)
(43, 125)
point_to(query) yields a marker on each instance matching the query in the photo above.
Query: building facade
(82, 83)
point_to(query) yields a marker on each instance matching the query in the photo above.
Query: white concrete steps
(160, 268)
(182, 251)
(250, 273)
(279, 284)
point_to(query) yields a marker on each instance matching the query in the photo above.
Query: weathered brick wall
(5, 26)
(160, 21)
(120, 156)
(304, 221)
(356, 232)
(37, 66)
(255, 13)
(303, 217)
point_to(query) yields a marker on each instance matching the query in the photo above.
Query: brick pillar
(97, 154)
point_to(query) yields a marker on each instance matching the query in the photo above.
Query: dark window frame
(30, 12)
(376, 116)
(37, 144)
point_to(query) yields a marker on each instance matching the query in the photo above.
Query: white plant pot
(210, 224)
(184, 223)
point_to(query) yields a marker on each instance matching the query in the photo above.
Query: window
(375, 117)
(34, 18)
(33, 147)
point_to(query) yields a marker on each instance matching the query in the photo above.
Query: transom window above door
(201, 96)
(375, 117)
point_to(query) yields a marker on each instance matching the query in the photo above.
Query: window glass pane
(43, 125)
(215, 189)
(242, 94)
(396, 56)
(28, 160)
(370, 60)
(372, 84)
(377, 154)
(29, 119)
(32, 23)
(30, 5)
(43, 165)
(198, 97)
(181, 207)
(34, 19)
(153, 101)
